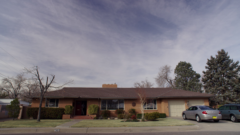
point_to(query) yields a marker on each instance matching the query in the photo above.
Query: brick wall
(36, 101)
(65, 101)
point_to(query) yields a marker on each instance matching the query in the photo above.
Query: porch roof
(122, 93)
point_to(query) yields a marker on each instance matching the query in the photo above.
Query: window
(52, 103)
(221, 108)
(112, 104)
(206, 108)
(150, 105)
(190, 108)
(227, 108)
(195, 108)
(234, 108)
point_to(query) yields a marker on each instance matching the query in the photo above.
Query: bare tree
(43, 87)
(13, 86)
(31, 88)
(142, 98)
(163, 79)
(143, 84)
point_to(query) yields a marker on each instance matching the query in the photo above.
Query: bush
(150, 116)
(134, 117)
(120, 116)
(93, 109)
(132, 111)
(156, 114)
(13, 108)
(162, 115)
(46, 113)
(68, 109)
(119, 111)
(159, 115)
(105, 114)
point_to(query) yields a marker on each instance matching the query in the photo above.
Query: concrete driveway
(222, 125)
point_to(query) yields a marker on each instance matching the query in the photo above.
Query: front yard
(118, 123)
(31, 123)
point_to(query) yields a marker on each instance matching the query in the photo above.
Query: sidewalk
(63, 129)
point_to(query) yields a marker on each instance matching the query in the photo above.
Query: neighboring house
(109, 97)
(3, 106)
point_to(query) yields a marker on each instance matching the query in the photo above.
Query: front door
(80, 108)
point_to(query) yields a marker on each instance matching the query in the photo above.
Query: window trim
(112, 109)
(151, 109)
(55, 103)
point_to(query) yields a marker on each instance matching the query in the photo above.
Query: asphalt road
(161, 133)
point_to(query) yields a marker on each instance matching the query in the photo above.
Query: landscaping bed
(119, 123)
(31, 123)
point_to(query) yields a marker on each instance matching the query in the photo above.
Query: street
(161, 133)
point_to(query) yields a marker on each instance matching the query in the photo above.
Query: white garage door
(196, 102)
(176, 107)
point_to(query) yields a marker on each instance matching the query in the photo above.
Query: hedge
(160, 115)
(46, 113)
(93, 109)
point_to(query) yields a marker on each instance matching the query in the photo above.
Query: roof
(122, 93)
(8, 102)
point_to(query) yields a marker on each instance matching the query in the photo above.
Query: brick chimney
(109, 85)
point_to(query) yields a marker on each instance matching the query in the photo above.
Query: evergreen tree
(13, 109)
(221, 78)
(186, 78)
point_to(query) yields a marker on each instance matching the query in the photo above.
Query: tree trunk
(39, 110)
(142, 111)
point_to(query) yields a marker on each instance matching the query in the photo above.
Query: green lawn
(31, 123)
(118, 123)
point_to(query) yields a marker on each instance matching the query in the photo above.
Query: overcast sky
(114, 41)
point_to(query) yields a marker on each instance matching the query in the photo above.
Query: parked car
(200, 113)
(230, 111)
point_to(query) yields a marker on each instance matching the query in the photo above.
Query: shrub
(156, 114)
(119, 111)
(132, 111)
(68, 109)
(95, 118)
(127, 116)
(162, 115)
(120, 116)
(159, 115)
(13, 108)
(134, 117)
(46, 113)
(139, 115)
(150, 116)
(93, 109)
(105, 114)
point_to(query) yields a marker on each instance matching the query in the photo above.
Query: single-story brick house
(109, 97)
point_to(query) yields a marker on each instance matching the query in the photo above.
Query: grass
(31, 123)
(118, 123)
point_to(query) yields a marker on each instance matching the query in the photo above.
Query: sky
(95, 42)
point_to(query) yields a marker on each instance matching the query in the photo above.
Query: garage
(195, 102)
(176, 107)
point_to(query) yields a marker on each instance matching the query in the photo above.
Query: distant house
(109, 97)
(4, 103)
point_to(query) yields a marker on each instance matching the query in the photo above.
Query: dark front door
(80, 108)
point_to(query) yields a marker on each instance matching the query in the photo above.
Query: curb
(99, 130)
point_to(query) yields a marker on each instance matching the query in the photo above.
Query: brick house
(109, 97)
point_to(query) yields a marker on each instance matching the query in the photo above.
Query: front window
(112, 104)
(150, 105)
(52, 103)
